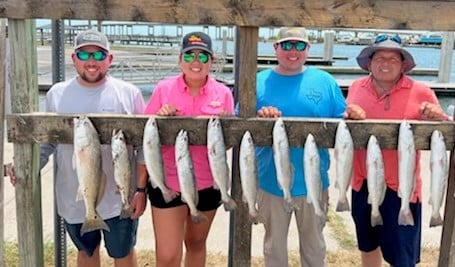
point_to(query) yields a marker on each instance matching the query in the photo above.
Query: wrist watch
(141, 190)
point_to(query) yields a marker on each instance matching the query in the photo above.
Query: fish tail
(405, 217)
(343, 204)
(229, 204)
(290, 206)
(92, 224)
(436, 220)
(376, 219)
(126, 212)
(169, 195)
(198, 217)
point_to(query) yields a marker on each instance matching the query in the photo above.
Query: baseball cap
(197, 40)
(292, 34)
(91, 37)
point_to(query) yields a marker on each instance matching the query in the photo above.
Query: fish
(122, 171)
(439, 167)
(312, 171)
(406, 169)
(344, 154)
(375, 179)
(187, 181)
(248, 175)
(90, 175)
(283, 165)
(153, 158)
(218, 162)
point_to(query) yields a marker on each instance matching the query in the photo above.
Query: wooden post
(329, 38)
(245, 69)
(3, 76)
(447, 247)
(24, 95)
(445, 63)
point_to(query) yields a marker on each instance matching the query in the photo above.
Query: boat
(430, 39)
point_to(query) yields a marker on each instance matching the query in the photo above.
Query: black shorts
(209, 199)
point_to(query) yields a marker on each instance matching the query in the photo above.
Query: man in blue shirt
(292, 89)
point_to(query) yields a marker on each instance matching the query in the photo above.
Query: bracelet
(142, 190)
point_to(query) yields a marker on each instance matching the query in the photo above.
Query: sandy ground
(219, 236)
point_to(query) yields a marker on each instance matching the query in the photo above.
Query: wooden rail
(248, 15)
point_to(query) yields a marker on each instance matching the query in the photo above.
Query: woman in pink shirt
(191, 93)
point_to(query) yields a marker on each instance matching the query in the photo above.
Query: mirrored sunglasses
(97, 55)
(381, 38)
(288, 45)
(189, 57)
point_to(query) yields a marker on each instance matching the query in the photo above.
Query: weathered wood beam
(3, 79)
(24, 95)
(58, 128)
(414, 15)
(245, 80)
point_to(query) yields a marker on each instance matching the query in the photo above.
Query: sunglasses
(189, 57)
(97, 55)
(381, 38)
(288, 45)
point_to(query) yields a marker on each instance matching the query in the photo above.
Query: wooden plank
(447, 248)
(415, 15)
(3, 79)
(245, 79)
(24, 95)
(58, 128)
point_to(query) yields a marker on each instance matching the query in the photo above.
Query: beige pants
(312, 246)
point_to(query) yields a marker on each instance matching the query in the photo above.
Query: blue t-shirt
(312, 93)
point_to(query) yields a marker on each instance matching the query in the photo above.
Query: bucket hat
(388, 44)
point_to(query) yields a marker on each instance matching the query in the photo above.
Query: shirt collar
(184, 88)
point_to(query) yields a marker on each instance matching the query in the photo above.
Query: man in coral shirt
(388, 93)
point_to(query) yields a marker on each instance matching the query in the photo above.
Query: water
(425, 57)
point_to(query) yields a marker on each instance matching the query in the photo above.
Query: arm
(139, 201)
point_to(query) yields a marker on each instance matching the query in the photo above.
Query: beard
(96, 79)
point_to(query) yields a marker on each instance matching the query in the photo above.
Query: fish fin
(79, 194)
(101, 189)
(343, 205)
(92, 224)
(169, 195)
(74, 160)
(126, 211)
(230, 204)
(376, 220)
(199, 217)
(436, 220)
(405, 217)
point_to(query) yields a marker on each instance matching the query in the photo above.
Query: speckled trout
(406, 169)
(439, 167)
(218, 162)
(249, 175)
(283, 165)
(151, 146)
(92, 179)
(186, 177)
(375, 179)
(311, 167)
(122, 171)
(344, 154)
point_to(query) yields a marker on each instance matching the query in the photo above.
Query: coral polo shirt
(403, 103)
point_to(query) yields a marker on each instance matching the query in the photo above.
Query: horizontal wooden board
(58, 128)
(414, 15)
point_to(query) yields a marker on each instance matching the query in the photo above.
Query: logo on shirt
(314, 96)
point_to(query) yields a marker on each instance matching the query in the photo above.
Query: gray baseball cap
(91, 37)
